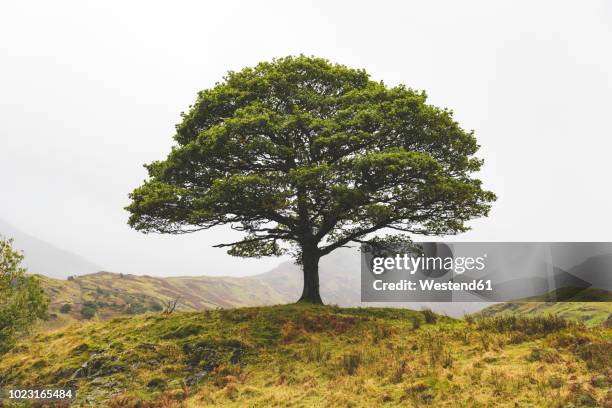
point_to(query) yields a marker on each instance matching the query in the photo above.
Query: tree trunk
(310, 266)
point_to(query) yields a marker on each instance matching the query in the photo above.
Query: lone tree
(305, 156)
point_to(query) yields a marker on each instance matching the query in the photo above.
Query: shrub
(447, 359)
(545, 355)
(555, 381)
(435, 347)
(22, 300)
(597, 354)
(380, 332)
(88, 311)
(289, 331)
(599, 381)
(485, 341)
(351, 361)
(429, 315)
(135, 307)
(314, 352)
(156, 307)
(398, 371)
(578, 396)
(532, 325)
(65, 308)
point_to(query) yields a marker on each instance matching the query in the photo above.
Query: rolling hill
(584, 305)
(106, 295)
(112, 294)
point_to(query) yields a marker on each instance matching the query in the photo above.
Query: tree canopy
(306, 156)
(22, 300)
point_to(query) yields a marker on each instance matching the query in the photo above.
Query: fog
(90, 91)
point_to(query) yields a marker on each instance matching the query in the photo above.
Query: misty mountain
(44, 258)
(597, 270)
(339, 277)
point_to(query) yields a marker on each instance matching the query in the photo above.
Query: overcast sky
(89, 91)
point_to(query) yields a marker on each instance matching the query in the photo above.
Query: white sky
(89, 91)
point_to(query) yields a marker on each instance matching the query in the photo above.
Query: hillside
(106, 295)
(292, 356)
(580, 305)
(112, 294)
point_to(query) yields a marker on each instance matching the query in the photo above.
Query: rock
(158, 383)
(64, 372)
(98, 365)
(196, 378)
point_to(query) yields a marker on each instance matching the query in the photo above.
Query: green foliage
(135, 307)
(305, 156)
(156, 307)
(22, 300)
(88, 310)
(66, 308)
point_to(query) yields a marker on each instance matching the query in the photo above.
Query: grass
(299, 356)
(104, 295)
(591, 307)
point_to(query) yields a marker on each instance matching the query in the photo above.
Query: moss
(183, 331)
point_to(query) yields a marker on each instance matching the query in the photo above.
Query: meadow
(301, 356)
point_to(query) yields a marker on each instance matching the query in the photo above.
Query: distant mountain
(116, 293)
(112, 294)
(44, 258)
(597, 270)
(532, 286)
(339, 275)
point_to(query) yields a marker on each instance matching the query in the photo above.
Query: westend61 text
(429, 284)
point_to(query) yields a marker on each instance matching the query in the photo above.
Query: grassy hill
(104, 295)
(298, 356)
(567, 303)
(107, 295)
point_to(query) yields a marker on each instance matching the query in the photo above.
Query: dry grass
(300, 356)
